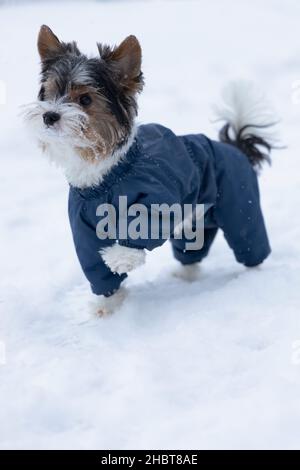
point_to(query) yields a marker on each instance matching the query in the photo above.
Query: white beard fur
(59, 143)
(81, 173)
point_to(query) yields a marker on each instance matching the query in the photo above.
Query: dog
(85, 122)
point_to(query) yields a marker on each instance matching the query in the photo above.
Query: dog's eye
(85, 100)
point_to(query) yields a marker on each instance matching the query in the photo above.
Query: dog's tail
(250, 121)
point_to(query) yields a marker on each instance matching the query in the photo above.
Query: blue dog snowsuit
(159, 168)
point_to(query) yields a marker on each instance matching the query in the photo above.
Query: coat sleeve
(88, 246)
(238, 212)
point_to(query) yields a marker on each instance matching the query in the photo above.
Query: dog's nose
(50, 118)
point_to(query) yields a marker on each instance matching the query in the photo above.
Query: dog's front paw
(121, 259)
(105, 306)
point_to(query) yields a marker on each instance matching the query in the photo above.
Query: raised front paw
(121, 259)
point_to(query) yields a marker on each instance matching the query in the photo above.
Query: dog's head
(88, 104)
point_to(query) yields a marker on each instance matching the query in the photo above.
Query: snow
(212, 364)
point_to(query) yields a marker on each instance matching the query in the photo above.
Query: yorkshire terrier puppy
(84, 121)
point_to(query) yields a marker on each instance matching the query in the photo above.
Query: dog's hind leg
(187, 272)
(190, 259)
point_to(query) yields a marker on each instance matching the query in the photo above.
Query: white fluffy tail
(250, 122)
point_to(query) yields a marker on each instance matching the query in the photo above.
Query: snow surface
(213, 364)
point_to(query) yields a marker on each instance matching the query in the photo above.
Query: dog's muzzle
(51, 118)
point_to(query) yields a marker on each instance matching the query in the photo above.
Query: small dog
(84, 120)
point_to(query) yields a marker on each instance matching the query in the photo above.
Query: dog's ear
(127, 60)
(48, 44)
